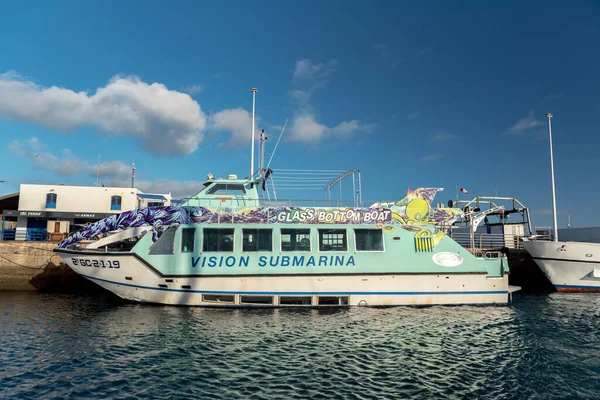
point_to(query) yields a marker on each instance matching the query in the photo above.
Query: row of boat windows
(281, 300)
(261, 240)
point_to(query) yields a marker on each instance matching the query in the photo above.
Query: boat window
(165, 243)
(333, 301)
(256, 299)
(368, 239)
(187, 240)
(227, 188)
(295, 240)
(218, 298)
(217, 239)
(257, 240)
(155, 204)
(332, 240)
(295, 300)
(115, 203)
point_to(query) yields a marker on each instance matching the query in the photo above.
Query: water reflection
(90, 347)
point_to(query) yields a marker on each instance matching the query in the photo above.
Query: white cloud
(414, 115)
(193, 89)
(237, 121)
(165, 122)
(35, 144)
(525, 124)
(111, 173)
(306, 69)
(301, 96)
(178, 189)
(441, 136)
(66, 164)
(383, 49)
(312, 77)
(305, 128)
(431, 157)
(346, 128)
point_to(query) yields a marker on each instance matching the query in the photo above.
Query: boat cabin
(226, 193)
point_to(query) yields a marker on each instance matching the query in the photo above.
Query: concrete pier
(33, 266)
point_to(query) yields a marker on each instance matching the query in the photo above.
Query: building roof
(7, 196)
(151, 196)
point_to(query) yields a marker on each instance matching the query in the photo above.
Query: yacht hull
(132, 278)
(570, 266)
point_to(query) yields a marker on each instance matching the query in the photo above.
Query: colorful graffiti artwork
(413, 213)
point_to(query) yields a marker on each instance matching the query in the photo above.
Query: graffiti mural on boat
(413, 211)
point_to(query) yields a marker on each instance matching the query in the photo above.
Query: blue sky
(434, 94)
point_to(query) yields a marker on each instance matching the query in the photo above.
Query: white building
(58, 210)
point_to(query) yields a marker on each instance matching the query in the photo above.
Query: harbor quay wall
(34, 266)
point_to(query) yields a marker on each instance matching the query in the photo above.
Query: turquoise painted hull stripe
(290, 293)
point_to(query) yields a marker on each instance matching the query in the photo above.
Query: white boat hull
(135, 280)
(570, 266)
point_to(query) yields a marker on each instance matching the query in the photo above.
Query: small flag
(464, 190)
(408, 191)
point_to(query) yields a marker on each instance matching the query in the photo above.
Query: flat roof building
(51, 212)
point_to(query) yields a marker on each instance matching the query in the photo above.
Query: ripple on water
(57, 346)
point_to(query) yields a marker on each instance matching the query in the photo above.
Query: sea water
(98, 347)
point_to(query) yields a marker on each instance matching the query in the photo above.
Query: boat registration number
(96, 263)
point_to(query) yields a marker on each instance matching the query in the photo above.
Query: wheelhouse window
(232, 189)
(257, 240)
(295, 240)
(115, 203)
(187, 240)
(165, 243)
(217, 239)
(51, 200)
(368, 239)
(332, 240)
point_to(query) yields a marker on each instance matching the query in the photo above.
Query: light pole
(549, 116)
(254, 91)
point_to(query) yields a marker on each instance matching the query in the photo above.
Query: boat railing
(326, 203)
(487, 240)
(490, 241)
(226, 202)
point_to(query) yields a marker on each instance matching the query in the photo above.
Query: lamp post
(549, 116)
(254, 91)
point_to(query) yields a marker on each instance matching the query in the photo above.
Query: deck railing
(29, 235)
(232, 201)
(491, 240)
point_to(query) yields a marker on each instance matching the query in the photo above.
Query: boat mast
(552, 174)
(261, 151)
(253, 91)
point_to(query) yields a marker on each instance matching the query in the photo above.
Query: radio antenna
(277, 144)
